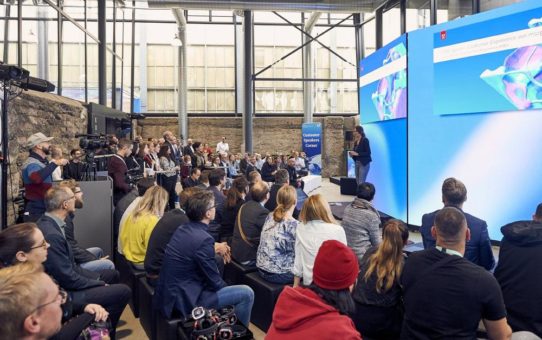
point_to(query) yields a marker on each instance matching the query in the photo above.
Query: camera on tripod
(93, 142)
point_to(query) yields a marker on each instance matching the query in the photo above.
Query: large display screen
(489, 66)
(496, 154)
(388, 168)
(383, 83)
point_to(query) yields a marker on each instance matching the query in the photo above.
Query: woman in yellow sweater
(139, 225)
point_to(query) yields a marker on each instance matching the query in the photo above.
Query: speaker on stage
(348, 185)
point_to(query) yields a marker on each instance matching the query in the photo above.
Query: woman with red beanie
(320, 311)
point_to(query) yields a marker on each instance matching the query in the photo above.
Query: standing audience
(74, 169)
(117, 170)
(168, 178)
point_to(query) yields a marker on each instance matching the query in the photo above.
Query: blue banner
(311, 138)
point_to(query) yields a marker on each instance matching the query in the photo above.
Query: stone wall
(270, 134)
(50, 114)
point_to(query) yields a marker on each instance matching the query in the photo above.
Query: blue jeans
(361, 172)
(97, 265)
(241, 297)
(281, 279)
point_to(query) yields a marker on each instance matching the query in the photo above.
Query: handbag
(97, 330)
(241, 231)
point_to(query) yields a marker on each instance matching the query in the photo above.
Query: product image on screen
(500, 60)
(383, 83)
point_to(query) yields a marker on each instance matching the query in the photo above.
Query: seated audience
(74, 169)
(99, 288)
(269, 169)
(193, 180)
(30, 303)
(253, 178)
(275, 257)
(259, 161)
(138, 226)
(320, 311)
(234, 200)
(317, 225)
(378, 296)
(126, 205)
(300, 166)
(478, 249)
(92, 258)
(361, 221)
(281, 179)
(251, 165)
(248, 225)
(23, 244)
(232, 166)
(519, 273)
(189, 275)
(217, 180)
(445, 295)
(168, 179)
(204, 179)
(294, 177)
(56, 155)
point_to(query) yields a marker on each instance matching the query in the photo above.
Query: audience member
(56, 155)
(222, 146)
(281, 179)
(253, 178)
(248, 225)
(92, 258)
(455, 293)
(99, 288)
(295, 181)
(234, 200)
(275, 256)
(137, 228)
(232, 168)
(125, 207)
(117, 170)
(361, 155)
(74, 169)
(174, 151)
(361, 221)
(269, 169)
(193, 180)
(251, 166)
(478, 249)
(199, 159)
(378, 296)
(37, 175)
(154, 150)
(29, 303)
(519, 273)
(189, 148)
(317, 225)
(320, 311)
(207, 149)
(217, 180)
(168, 178)
(131, 161)
(259, 162)
(204, 179)
(189, 275)
(23, 244)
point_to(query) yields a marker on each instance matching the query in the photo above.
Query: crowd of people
(343, 279)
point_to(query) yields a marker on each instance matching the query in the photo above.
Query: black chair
(265, 298)
(167, 329)
(147, 316)
(234, 272)
(130, 276)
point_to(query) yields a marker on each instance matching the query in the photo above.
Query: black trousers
(114, 297)
(169, 183)
(73, 327)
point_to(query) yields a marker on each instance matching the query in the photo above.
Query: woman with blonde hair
(138, 226)
(379, 307)
(275, 257)
(317, 225)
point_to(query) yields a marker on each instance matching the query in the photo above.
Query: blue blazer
(189, 275)
(478, 249)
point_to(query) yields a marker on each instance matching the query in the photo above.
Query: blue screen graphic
(496, 155)
(489, 66)
(383, 83)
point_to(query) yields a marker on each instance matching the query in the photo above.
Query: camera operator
(37, 175)
(75, 169)
(117, 170)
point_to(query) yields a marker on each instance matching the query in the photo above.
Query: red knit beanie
(335, 266)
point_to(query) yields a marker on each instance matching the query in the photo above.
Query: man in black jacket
(519, 273)
(117, 170)
(193, 180)
(217, 180)
(249, 224)
(75, 169)
(83, 285)
(92, 258)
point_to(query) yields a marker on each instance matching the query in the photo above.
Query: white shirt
(222, 147)
(127, 213)
(57, 174)
(309, 237)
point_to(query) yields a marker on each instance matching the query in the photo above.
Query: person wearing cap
(320, 311)
(37, 175)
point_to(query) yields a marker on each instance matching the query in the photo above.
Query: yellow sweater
(135, 236)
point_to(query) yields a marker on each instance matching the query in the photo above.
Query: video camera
(92, 142)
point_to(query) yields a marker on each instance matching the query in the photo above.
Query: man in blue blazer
(189, 277)
(478, 248)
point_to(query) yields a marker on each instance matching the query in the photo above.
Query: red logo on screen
(443, 35)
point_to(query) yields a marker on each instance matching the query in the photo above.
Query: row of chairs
(159, 328)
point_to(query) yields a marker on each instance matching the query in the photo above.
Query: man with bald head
(455, 293)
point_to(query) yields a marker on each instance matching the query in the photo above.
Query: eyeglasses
(73, 197)
(43, 245)
(62, 295)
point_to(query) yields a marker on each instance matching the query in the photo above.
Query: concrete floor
(131, 329)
